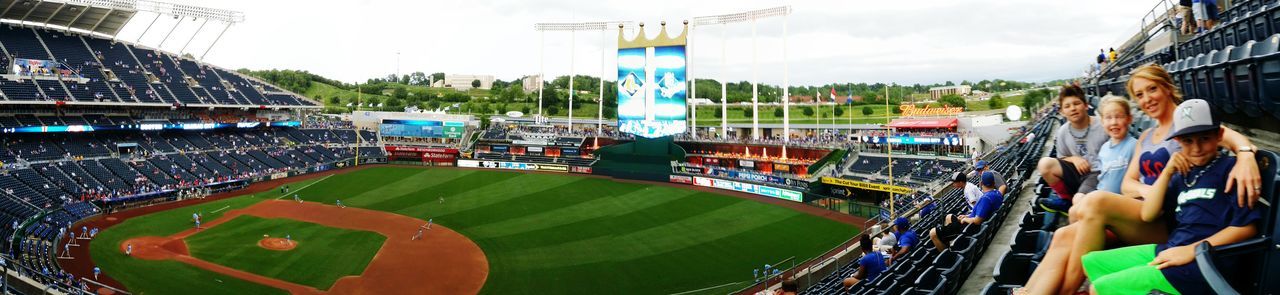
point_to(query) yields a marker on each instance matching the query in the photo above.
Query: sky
(826, 41)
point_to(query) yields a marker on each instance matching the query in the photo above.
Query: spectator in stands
(1188, 20)
(1106, 215)
(926, 204)
(886, 241)
(1111, 56)
(906, 238)
(953, 226)
(1075, 170)
(1102, 57)
(1206, 13)
(981, 167)
(869, 266)
(1189, 189)
(1115, 154)
(970, 191)
(789, 287)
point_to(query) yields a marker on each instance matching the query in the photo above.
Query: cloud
(925, 41)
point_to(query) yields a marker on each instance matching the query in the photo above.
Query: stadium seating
(927, 271)
(119, 72)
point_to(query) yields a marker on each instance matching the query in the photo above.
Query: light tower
(747, 16)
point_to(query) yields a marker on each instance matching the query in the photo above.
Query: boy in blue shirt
(1190, 188)
(869, 266)
(986, 207)
(906, 238)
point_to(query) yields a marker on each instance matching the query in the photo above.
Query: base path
(441, 262)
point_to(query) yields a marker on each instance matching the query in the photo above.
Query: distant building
(937, 92)
(802, 98)
(531, 82)
(463, 82)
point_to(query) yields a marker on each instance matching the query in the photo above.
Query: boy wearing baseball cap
(983, 210)
(981, 167)
(1190, 188)
(906, 238)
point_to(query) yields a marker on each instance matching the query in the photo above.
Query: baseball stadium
(131, 164)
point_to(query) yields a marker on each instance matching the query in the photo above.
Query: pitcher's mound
(277, 244)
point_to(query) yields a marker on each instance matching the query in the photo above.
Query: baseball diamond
(515, 233)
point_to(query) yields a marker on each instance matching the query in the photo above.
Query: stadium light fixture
(747, 16)
(573, 28)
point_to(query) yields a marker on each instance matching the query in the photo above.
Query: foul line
(707, 288)
(305, 186)
(223, 208)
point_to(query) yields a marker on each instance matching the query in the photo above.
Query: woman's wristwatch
(1247, 149)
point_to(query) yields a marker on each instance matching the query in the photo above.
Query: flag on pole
(833, 94)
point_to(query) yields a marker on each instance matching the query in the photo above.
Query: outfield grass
(564, 234)
(313, 262)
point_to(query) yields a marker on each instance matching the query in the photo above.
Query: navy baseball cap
(981, 164)
(960, 177)
(988, 179)
(901, 222)
(1193, 116)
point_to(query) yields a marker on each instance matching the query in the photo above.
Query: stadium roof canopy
(105, 17)
(925, 123)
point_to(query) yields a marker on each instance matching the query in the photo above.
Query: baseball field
(495, 232)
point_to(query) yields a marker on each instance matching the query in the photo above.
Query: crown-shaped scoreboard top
(663, 39)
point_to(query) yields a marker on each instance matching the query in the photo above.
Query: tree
(719, 113)
(867, 111)
(952, 100)
(553, 110)
(484, 109)
(334, 100)
(475, 83)
(610, 112)
(996, 102)
(524, 109)
(807, 111)
(839, 112)
(395, 102)
(747, 113)
(434, 104)
(502, 108)
(777, 112)
(400, 92)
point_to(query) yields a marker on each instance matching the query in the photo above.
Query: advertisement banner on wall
(512, 165)
(688, 170)
(682, 179)
(867, 185)
(755, 177)
(580, 169)
(767, 191)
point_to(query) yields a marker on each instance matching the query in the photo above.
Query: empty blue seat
(1202, 77)
(1227, 27)
(1245, 78)
(1220, 91)
(1216, 41)
(1261, 24)
(1243, 28)
(930, 282)
(1188, 75)
(1266, 55)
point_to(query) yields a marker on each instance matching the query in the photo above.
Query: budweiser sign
(910, 110)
